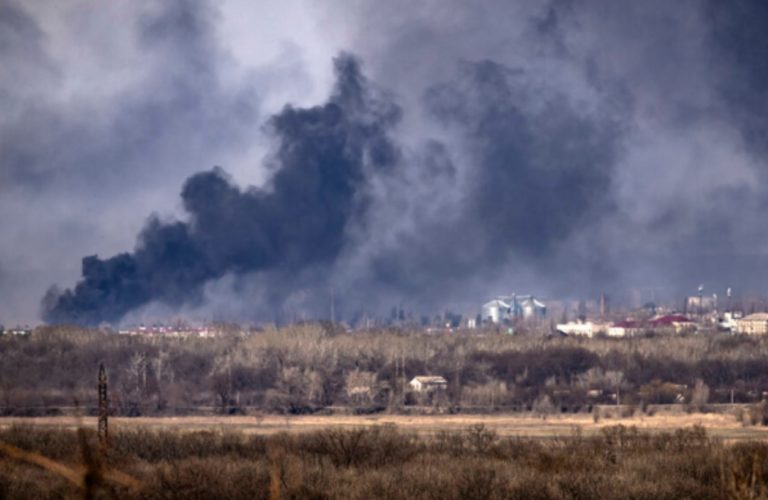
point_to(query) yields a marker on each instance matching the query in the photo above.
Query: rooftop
(430, 379)
(670, 319)
(756, 317)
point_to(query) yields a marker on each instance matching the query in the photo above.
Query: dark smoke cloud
(523, 192)
(562, 148)
(597, 144)
(82, 142)
(297, 221)
(740, 45)
(533, 154)
(106, 110)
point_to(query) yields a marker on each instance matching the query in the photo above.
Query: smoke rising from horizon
(561, 148)
(298, 220)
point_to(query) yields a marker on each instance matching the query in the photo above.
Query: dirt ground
(718, 425)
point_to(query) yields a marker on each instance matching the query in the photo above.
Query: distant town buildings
(521, 314)
(172, 331)
(670, 323)
(18, 330)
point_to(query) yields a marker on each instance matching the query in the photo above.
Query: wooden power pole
(103, 408)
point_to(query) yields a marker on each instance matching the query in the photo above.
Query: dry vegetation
(309, 412)
(313, 368)
(728, 427)
(383, 462)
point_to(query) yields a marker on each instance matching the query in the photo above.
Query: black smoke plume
(537, 173)
(297, 221)
(581, 146)
(542, 170)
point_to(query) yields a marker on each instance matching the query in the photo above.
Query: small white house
(427, 383)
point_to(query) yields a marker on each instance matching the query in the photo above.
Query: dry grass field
(724, 426)
(388, 456)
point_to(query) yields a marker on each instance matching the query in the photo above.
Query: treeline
(311, 368)
(382, 462)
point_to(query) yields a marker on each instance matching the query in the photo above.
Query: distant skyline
(246, 158)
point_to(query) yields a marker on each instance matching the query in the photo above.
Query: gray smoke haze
(560, 147)
(600, 145)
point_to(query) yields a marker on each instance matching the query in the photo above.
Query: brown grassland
(392, 456)
(724, 426)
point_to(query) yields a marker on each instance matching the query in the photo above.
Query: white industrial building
(508, 307)
(495, 310)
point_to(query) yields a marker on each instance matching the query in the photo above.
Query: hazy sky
(454, 150)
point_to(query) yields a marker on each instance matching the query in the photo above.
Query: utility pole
(103, 409)
(333, 307)
(402, 367)
(396, 396)
(602, 305)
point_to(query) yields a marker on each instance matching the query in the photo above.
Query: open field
(717, 425)
(176, 461)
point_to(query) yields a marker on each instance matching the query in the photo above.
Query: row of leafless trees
(311, 367)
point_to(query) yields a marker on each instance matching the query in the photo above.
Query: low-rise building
(753, 324)
(627, 328)
(582, 328)
(428, 383)
(675, 323)
(171, 331)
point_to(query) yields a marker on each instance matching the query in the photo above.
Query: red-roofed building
(626, 328)
(674, 322)
(670, 323)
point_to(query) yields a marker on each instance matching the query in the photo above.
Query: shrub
(381, 462)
